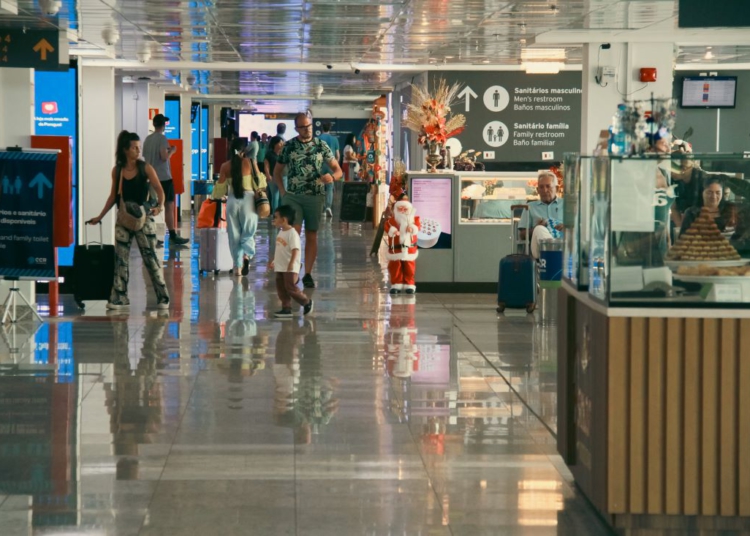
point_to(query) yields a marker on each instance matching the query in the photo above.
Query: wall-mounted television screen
(709, 92)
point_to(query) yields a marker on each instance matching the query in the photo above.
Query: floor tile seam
(169, 453)
(94, 384)
(509, 384)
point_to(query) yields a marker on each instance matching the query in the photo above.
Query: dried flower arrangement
(427, 115)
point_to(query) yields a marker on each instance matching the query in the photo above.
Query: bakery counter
(654, 413)
(466, 226)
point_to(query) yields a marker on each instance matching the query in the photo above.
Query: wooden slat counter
(654, 413)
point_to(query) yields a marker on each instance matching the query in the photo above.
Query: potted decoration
(429, 115)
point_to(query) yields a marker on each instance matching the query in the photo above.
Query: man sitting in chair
(546, 214)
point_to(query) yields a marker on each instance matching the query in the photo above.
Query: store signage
(44, 50)
(516, 116)
(26, 203)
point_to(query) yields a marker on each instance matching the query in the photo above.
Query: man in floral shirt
(302, 161)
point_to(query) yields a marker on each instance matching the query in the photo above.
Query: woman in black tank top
(136, 177)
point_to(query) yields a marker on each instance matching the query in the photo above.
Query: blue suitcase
(516, 287)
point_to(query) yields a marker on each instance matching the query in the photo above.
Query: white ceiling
(267, 48)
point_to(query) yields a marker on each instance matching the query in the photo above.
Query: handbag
(130, 215)
(262, 205)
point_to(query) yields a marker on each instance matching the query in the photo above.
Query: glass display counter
(466, 226)
(486, 198)
(670, 231)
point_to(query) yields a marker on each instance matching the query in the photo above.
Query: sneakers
(159, 244)
(329, 213)
(112, 306)
(245, 267)
(307, 309)
(176, 239)
(284, 313)
(307, 281)
(163, 305)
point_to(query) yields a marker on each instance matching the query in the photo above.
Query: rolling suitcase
(516, 287)
(215, 255)
(93, 269)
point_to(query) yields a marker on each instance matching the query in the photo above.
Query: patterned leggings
(146, 240)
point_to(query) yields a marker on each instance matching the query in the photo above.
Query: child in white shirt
(286, 264)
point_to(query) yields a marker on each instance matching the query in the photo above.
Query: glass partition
(669, 230)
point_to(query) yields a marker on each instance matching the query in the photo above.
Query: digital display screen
(56, 114)
(258, 123)
(709, 92)
(432, 199)
(195, 148)
(172, 110)
(204, 144)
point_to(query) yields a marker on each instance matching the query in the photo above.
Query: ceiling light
(544, 54)
(542, 67)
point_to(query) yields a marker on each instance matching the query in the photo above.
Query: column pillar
(186, 135)
(98, 135)
(16, 128)
(600, 100)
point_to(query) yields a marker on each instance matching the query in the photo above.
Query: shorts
(168, 187)
(307, 209)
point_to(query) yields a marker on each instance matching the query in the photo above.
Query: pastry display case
(486, 198)
(669, 231)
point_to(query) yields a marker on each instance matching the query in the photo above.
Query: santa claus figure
(401, 229)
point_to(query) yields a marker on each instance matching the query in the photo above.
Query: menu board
(432, 200)
(354, 201)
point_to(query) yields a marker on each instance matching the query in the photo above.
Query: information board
(26, 203)
(354, 201)
(517, 117)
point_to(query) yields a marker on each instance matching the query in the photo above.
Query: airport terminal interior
(572, 357)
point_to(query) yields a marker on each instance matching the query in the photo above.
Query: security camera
(329, 66)
(110, 35)
(50, 7)
(143, 56)
(191, 80)
(357, 71)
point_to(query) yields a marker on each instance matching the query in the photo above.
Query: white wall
(135, 104)
(98, 135)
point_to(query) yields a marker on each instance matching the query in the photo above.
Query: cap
(159, 120)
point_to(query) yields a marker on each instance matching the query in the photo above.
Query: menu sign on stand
(26, 204)
(354, 201)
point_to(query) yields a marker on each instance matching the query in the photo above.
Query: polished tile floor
(376, 416)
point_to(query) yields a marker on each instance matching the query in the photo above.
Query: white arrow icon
(468, 93)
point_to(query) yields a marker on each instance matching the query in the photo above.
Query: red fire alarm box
(648, 74)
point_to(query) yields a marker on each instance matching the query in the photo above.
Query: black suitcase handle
(86, 235)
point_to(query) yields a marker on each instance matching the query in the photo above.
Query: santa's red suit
(401, 350)
(401, 229)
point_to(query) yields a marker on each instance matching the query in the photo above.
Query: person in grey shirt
(157, 152)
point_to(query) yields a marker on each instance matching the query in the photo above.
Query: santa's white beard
(404, 221)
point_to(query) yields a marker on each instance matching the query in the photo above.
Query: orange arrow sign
(43, 47)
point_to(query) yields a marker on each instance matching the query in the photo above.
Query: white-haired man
(545, 214)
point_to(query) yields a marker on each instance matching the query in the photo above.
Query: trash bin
(550, 262)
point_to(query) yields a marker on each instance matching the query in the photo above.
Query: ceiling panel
(318, 32)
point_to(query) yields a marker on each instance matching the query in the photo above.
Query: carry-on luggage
(93, 269)
(215, 255)
(516, 287)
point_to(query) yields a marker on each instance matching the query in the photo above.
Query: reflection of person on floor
(303, 399)
(245, 349)
(545, 214)
(401, 229)
(401, 350)
(134, 398)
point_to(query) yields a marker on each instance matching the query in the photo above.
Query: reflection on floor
(410, 415)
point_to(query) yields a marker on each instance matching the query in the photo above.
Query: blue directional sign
(26, 205)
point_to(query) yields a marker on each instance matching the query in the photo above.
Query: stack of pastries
(703, 241)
